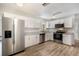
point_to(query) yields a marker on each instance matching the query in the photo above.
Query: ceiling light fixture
(19, 4)
(45, 4)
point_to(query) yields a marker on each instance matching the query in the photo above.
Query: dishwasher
(42, 37)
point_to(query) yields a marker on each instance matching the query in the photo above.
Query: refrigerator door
(18, 35)
(7, 32)
(0, 25)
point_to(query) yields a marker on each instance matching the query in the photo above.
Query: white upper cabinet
(32, 23)
(69, 22)
(47, 25)
(51, 24)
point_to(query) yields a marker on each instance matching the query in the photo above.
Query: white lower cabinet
(51, 36)
(31, 40)
(37, 39)
(68, 39)
(27, 41)
(48, 36)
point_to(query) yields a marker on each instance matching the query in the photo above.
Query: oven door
(58, 36)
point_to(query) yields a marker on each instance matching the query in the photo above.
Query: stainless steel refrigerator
(13, 36)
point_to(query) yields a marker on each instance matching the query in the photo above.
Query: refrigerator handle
(13, 33)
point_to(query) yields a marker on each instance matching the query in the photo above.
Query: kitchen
(38, 30)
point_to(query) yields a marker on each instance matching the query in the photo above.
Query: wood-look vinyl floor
(51, 48)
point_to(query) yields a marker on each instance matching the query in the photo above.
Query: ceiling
(51, 11)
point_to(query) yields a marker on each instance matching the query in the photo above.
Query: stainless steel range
(58, 35)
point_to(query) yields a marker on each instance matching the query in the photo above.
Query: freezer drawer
(42, 38)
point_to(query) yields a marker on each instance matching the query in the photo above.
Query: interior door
(7, 41)
(18, 35)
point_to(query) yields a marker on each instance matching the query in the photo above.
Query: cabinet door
(47, 37)
(47, 24)
(37, 39)
(51, 25)
(33, 39)
(27, 41)
(68, 39)
(68, 22)
(51, 36)
(30, 40)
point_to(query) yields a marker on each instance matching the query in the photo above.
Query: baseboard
(16, 53)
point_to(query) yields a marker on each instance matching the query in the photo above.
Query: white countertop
(68, 33)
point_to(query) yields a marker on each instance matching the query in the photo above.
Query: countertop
(68, 33)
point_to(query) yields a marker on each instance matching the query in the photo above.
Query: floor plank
(51, 48)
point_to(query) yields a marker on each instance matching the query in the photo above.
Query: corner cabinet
(48, 36)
